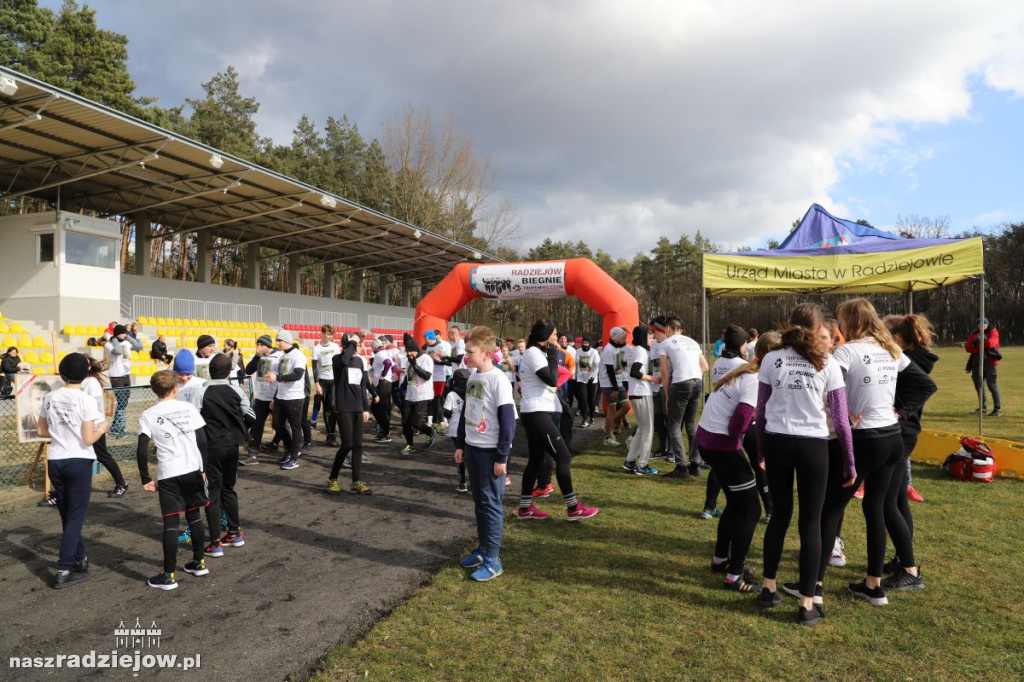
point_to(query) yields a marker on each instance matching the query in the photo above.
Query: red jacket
(991, 342)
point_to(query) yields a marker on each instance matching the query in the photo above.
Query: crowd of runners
(834, 404)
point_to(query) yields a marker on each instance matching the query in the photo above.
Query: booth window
(44, 247)
(88, 249)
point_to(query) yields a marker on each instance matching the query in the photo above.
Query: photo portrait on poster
(30, 391)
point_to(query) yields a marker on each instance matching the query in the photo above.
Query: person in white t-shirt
(175, 427)
(641, 397)
(730, 356)
(118, 355)
(323, 357)
(419, 394)
(682, 372)
(538, 375)
(611, 378)
(483, 439)
(264, 361)
(872, 362)
(588, 364)
(93, 387)
(383, 370)
(656, 330)
(184, 367)
(796, 382)
(73, 422)
(291, 383)
(727, 417)
(454, 402)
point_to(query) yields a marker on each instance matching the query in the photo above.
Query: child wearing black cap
(453, 405)
(226, 410)
(419, 393)
(73, 422)
(264, 362)
(351, 386)
(118, 355)
(206, 348)
(176, 428)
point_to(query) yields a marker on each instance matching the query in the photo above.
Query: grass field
(629, 595)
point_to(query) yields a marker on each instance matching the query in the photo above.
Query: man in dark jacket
(992, 358)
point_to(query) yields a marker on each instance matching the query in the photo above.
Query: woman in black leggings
(538, 375)
(873, 364)
(353, 410)
(796, 383)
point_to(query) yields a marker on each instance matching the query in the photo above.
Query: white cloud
(608, 118)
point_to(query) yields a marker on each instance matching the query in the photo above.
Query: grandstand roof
(102, 160)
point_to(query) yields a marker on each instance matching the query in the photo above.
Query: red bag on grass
(972, 462)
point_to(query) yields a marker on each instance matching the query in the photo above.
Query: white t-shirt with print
(799, 393)
(505, 365)
(537, 396)
(454, 404)
(616, 357)
(172, 426)
(120, 364)
(187, 393)
(725, 365)
(324, 355)
(377, 367)
(419, 389)
(268, 364)
(870, 381)
(638, 388)
(721, 404)
(65, 410)
(94, 389)
(684, 355)
(290, 361)
(654, 361)
(485, 393)
(587, 362)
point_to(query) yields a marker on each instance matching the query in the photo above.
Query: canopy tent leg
(910, 301)
(705, 341)
(981, 356)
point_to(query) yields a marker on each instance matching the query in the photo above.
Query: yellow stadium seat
(177, 322)
(7, 342)
(46, 356)
(25, 341)
(69, 329)
(40, 369)
(16, 328)
(195, 323)
(30, 357)
(40, 342)
(79, 330)
(61, 355)
(94, 330)
(160, 321)
(4, 329)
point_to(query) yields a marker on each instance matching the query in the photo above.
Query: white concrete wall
(270, 300)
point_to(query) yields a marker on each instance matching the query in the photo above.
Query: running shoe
(617, 430)
(645, 471)
(694, 469)
(163, 581)
(892, 566)
(81, 566)
(903, 581)
(996, 413)
(306, 447)
(332, 442)
(793, 590)
(473, 559)
(430, 439)
(332, 485)
(708, 514)
(767, 599)
(118, 491)
(579, 512)
(359, 488)
(913, 495)
(68, 578)
(629, 467)
(408, 450)
(214, 549)
(269, 447)
(872, 595)
(610, 441)
(250, 460)
(347, 464)
(489, 570)
(543, 493)
(283, 458)
(290, 464)
(462, 488)
(531, 513)
(383, 439)
(233, 538)
(679, 472)
(186, 537)
(809, 617)
(197, 567)
(738, 585)
(860, 493)
(719, 567)
(50, 501)
(837, 558)
(366, 460)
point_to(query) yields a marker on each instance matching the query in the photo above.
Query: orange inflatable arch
(579, 277)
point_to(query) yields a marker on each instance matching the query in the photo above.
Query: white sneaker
(837, 558)
(610, 440)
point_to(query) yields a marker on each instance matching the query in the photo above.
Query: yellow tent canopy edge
(917, 269)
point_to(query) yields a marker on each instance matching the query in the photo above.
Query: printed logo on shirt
(778, 363)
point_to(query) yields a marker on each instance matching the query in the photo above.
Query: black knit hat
(540, 332)
(735, 337)
(120, 329)
(220, 366)
(411, 345)
(74, 368)
(460, 378)
(204, 341)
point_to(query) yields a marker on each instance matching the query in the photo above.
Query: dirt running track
(317, 570)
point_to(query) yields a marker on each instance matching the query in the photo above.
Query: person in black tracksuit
(228, 415)
(351, 386)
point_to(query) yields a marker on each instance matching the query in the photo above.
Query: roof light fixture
(216, 161)
(327, 202)
(8, 86)
(417, 234)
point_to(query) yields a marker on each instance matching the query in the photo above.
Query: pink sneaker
(532, 513)
(913, 495)
(544, 492)
(580, 512)
(860, 493)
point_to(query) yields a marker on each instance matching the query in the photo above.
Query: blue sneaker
(474, 559)
(290, 464)
(197, 567)
(645, 471)
(284, 458)
(489, 570)
(629, 467)
(408, 450)
(186, 537)
(163, 581)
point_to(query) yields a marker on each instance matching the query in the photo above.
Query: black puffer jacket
(913, 388)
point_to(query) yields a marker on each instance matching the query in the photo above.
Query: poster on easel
(30, 390)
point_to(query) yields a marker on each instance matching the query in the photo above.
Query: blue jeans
(488, 491)
(683, 399)
(71, 480)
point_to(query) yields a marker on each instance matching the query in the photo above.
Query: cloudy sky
(619, 122)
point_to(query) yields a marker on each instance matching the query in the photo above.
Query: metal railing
(318, 317)
(389, 322)
(191, 309)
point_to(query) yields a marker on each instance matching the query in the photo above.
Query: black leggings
(808, 459)
(194, 518)
(896, 501)
(742, 509)
(350, 426)
(414, 419)
(542, 437)
(104, 457)
(583, 399)
(711, 490)
(289, 413)
(876, 458)
(328, 406)
(261, 408)
(221, 468)
(750, 447)
(382, 410)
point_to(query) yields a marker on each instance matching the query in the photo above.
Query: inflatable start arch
(577, 277)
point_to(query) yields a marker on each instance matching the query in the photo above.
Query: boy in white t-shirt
(453, 405)
(176, 428)
(73, 422)
(419, 394)
(188, 383)
(484, 438)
